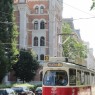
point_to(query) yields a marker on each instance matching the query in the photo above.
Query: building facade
(38, 23)
(90, 58)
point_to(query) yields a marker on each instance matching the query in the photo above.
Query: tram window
(72, 77)
(92, 78)
(86, 78)
(78, 77)
(82, 78)
(54, 78)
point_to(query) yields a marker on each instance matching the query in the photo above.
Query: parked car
(38, 91)
(7, 91)
(22, 90)
(10, 91)
(3, 92)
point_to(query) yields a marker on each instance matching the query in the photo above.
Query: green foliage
(3, 63)
(8, 35)
(26, 66)
(31, 87)
(25, 84)
(93, 5)
(5, 86)
(72, 48)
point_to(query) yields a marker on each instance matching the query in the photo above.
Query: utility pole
(65, 40)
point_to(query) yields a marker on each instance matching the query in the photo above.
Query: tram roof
(68, 65)
(65, 62)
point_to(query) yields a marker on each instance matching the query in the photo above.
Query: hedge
(31, 87)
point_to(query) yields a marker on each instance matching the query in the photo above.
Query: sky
(79, 9)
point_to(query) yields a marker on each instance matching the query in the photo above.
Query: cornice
(37, 14)
(51, 11)
(22, 7)
(40, 30)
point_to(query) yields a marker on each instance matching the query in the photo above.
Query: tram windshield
(53, 77)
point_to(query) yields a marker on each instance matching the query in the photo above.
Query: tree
(72, 48)
(93, 5)
(26, 66)
(8, 35)
(3, 63)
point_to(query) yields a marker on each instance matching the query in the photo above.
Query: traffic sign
(46, 57)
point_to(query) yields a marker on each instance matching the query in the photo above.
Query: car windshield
(53, 77)
(3, 92)
(39, 88)
(17, 89)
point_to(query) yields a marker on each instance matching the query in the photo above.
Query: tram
(77, 78)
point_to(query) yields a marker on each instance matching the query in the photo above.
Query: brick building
(38, 23)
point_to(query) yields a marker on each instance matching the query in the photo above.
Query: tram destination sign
(55, 64)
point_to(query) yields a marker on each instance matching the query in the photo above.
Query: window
(55, 78)
(72, 77)
(86, 78)
(78, 77)
(21, 1)
(42, 41)
(41, 25)
(35, 25)
(41, 76)
(41, 9)
(82, 78)
(92, 78)
(42, 57)
(36, 10)
(35, 41)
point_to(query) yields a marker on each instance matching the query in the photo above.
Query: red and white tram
(79, 79)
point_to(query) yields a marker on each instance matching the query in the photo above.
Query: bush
(5, 86)
(31, 87)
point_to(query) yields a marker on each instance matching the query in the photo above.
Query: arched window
(42, 41)
(35, 25)
(42, 25)
(42, 57)
(35, 41)
(41, 9)
(36, 10)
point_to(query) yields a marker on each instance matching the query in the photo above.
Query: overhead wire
(50, 21)
(25, 18)
(75, 8)
(27, 45)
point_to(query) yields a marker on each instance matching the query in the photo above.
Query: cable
(24, 45)
(52, 22)
(48, 21)
(75, 8)
(34, 46)
(30, 45)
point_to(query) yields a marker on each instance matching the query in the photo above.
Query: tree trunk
(23, 80)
